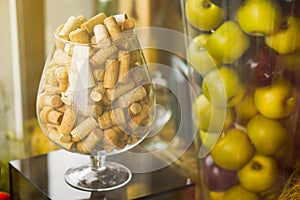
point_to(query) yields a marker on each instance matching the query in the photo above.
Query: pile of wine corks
(96, 93)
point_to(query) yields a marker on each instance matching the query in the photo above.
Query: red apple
(290, 7)
(258, 66)
(217, 178)
(4, 196)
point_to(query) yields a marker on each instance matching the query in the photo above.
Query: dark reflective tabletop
(42, 177)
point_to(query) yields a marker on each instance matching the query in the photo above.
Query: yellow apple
(223, 87)
(267, 135)
(259, 174)
(208, 139)
(239, 193)
(245, 109)
(287, 39)
(260, 17)
(204, 15)
(277, 100)
(233, 150)
(198, 56)
(210, 117)
(290, 61)
(227, 43)
(216, 195)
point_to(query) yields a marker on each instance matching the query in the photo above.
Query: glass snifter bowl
(96, 99)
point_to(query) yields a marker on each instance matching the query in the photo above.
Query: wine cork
(133, 96)
(101, 35)
(61, 58)
(83, 129)
(120, 18)
(79, 36)
(99, 74)
(67, 97)
(87, 145)
(136, 130)
(102, 55)
(122, 133)
(82, 19)
(50, 100)
(111, 118)
(68, 122)
(61, 74)
(132, 140)
(62, 78)
(139, 76)
(124, 58)
(128, 24)
(112, 136)
(44, 113)
(118, 117)
(105, 100)
(116, 137)
(93, 40)
(50, 76)
(59, 42)
(134, 57)
(68, 48)
(113, 28)
(108, 147)
(97, 92)
(141, 118)
(91, 23)
(111, 73)
(51, 90)
(71, 24)
(119, 90)
(91, 110)
(105, 120)
(60, 139)
(135, 108)
(91, 80)
(63, 108)
(55, 117)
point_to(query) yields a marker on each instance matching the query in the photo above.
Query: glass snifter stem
(98, 163)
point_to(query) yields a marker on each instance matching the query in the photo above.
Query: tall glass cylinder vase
(244, 58)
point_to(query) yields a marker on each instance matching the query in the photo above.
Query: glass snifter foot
(98, 176)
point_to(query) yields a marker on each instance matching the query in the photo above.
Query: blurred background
(25, 39)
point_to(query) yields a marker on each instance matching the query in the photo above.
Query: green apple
(204, 15)
(277, 100)
(227, 43)
(223, 87)
(239, 193)
(260, 17)
(287, 39)
(198, 56)
(233, 150)
(212, 118)
(267, 135)
(259, 174)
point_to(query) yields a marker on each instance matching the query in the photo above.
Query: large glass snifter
(96, 99)
(244, 61)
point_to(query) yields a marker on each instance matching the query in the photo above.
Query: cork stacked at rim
(96, 93)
